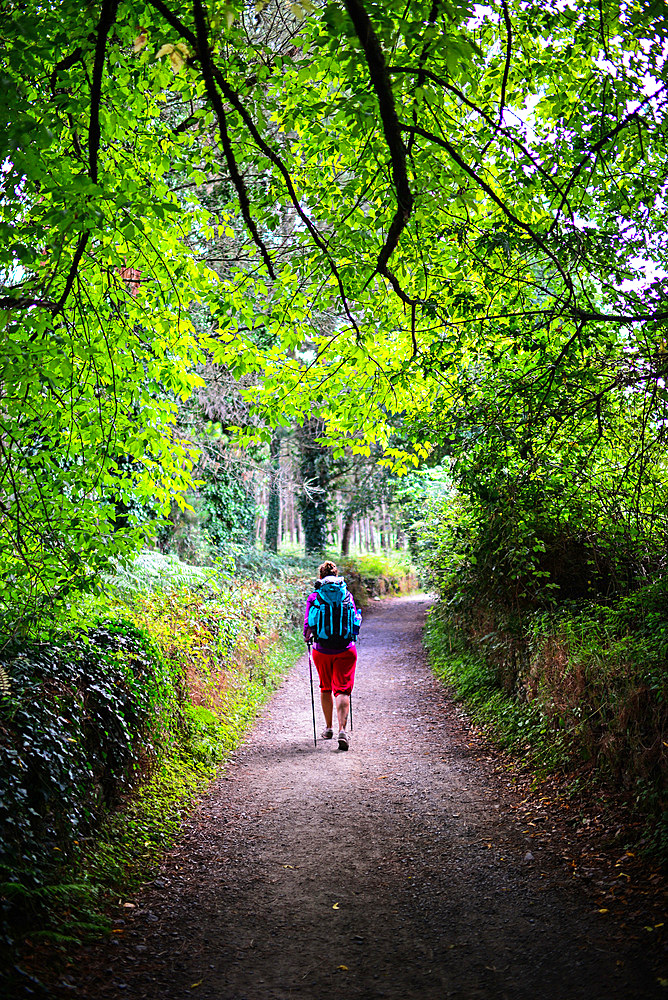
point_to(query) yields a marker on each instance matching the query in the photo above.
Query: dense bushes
(80, 718)
(553, 633)
(130, 700)
(581, 687)
(378, 575)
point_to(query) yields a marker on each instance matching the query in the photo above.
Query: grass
(518, 726)
(587, 698)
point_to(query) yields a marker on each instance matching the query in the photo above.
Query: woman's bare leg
(342, 710)
(327, 703)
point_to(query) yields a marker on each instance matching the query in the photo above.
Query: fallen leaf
(193, 985)
(603, 910)
(343, 968)
(336, 906)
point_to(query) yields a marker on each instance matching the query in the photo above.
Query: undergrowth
(517, 725)
(389, 562)
(132, 841)
(113, 717)
(582, 690)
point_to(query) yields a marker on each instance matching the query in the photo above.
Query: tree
(274, 504)
(97, 270)
(466, 188)
(314, 467)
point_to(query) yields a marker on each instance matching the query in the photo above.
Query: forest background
(281, 279)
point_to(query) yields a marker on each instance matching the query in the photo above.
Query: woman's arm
(308, 632)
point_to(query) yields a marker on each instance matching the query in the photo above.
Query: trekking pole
(310, 674)
(356, 640)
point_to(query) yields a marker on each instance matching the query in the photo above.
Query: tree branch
(421, 71)
(25, 302)
(63, 65)
(217, 104)
(598, 146)
(107, 18)
(380, 81)
(495, 198)
(501, 130)
(509, 52)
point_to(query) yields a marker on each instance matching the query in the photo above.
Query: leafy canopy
(437, 215)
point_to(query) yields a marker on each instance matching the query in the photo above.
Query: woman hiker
(331, 623)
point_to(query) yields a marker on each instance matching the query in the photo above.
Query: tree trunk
(291, 517)
(314, 468)
(372, 536)
(347, 534)
(274, 500)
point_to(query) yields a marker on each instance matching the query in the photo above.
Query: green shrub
(112, 717)
(580, 688)
(80, 718)
(389, 563)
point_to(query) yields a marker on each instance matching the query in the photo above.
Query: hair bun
(327, 569)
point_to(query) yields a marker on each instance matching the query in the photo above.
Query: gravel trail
(393, 870)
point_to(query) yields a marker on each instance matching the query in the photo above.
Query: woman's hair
(327, 569)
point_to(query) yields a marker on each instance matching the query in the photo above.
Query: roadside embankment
(581, 691)
(112, 719)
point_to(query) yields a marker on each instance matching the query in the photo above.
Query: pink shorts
(336, 670)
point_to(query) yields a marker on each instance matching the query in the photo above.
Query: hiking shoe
(344, 740)
(327, 734)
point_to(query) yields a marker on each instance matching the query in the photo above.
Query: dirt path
(393, 870)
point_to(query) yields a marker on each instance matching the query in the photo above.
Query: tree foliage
(427, 214)
(469, 193)
(97, 269)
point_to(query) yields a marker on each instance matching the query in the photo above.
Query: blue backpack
(332, 615)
